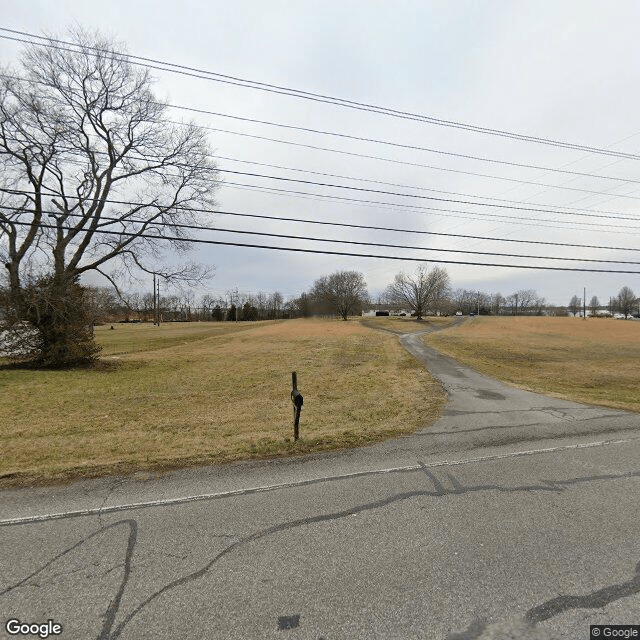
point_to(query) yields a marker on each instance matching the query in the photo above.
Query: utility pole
(159, 314)
(584, 303)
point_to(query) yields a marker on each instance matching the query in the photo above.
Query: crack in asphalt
(460, 412)
(462, 430)
(110, 492)
(114, 604)
(551, 608)
(439, 491)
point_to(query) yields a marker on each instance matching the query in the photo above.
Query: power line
(434, 211)
(366, 227)
(421, 209)
(438, 210)
(534, 207)
(409, 186)
(417, 196)
(337, 253)
(423, 197)
(399, 145)
(153, 225)
(153, 63)
(420, 165)
(420, 231)
(407, 163)
(398, 194)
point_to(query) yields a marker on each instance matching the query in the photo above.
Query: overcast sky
(561, 70)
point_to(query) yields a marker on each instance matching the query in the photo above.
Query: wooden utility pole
(159, 314)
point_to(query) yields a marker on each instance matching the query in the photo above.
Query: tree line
(624, 303)
(106, 304)
(343, 294)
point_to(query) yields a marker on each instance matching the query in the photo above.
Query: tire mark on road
(439, 491)
(526, 627)
(114, 604)
(596, 600)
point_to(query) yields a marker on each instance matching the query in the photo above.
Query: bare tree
(236, 301)
(208, 303)
(574, 305)
(526, 299)
(275, 303)
(462, 300)
(213, 307)
(100, 301)
(626, 301)
(93, 177)
(594, 305)
(261, 302)
(343, 291)
(497, 303)
(302, 306)
(529, 302)
(539, 305)
(424, 291)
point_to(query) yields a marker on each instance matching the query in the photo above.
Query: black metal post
(297, 400)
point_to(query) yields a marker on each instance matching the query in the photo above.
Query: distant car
(473, 313)
(458, 313)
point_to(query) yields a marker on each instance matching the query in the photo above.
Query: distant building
(385, 310)
(599, 313)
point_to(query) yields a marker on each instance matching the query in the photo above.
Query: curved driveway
(482, 411)
(514, 516)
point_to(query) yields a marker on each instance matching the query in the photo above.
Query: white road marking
(284, 485)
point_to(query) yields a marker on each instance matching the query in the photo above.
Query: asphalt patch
(288, 622)
(483, 394)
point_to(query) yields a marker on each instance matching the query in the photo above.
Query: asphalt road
(515, 516)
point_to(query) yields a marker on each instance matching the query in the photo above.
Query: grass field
(186, 394)
(593, 361)
(400, 325)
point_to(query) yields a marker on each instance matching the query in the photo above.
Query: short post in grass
(297, 400)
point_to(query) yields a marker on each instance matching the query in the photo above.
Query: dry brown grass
(593, 361)
(400, 325)
(203, 393)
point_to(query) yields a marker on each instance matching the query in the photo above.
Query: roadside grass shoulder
(592, 361)
(177, 396)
